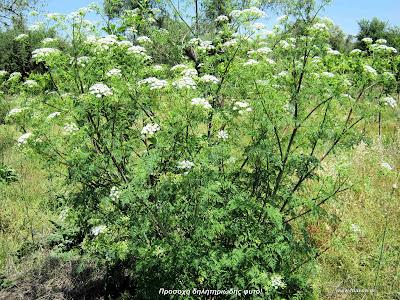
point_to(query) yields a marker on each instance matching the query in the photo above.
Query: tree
(339, 41)
(374, 29)
(12, 11)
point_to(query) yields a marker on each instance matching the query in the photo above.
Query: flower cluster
(370, 69)
(390, 101)
(14, 76)
(48, 40)
(259, 26)
(155, 83)
(137, 50)
(14, 111)
(264, 50)
(21, 37)
(209, 78)
(185, 164)
(320, 27)
(222, 18)
(143, 39)
(241, 105)
(367, 40)
(114, 193)
(285, 45)
(150, 129)
(281, 18)
(105, 42)
(100, 90)
(222, 134)
(98, 229)
(114, 72)
(201, 101)
(250, 62)
(203, 46)
(52, 16)
(157, 68)
(125, 44)
(23, 138)
(34, 27)
(189, 73)
(3, 73)
(356, 51)
(277, 282)
(382, 48)
(42, 53)
(185, 82)
(180, 66)
(70, 128)
(252, 12)
(52, 115)
(83, 60)
(30, 83)
(230, 43)
(328, 74)
(333, 52)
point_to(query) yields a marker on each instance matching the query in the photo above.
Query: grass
(353, 260)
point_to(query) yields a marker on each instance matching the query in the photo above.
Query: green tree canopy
(12, 11)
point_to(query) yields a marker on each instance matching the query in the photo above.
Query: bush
(201, 178)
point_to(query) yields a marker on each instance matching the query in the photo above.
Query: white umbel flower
(114, 72)
(14, 111)
(277, 282)
(30, 83)
(150, 129)
(185, 82)
(23, 138)
(42, 53)
(70, 128)
(201, 101)
(137, 50)
(390, 101)
(98, 229)
(185, 164)
(100, 90)
(154, 83)
(189, 73)
(52, 115)
(222, 134)
(114, 193)
(209, 78)
(370, 69)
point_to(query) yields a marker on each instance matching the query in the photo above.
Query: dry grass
(45, 277)
(353, 259)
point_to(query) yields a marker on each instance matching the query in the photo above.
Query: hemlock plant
(201, 175)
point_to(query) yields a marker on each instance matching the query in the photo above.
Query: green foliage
(377, 29)
(206, 175)
(12, 11)
(4, 283)
(339, 41)
(17, 52)
(7, 174)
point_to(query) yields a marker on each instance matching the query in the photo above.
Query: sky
(344, 13)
